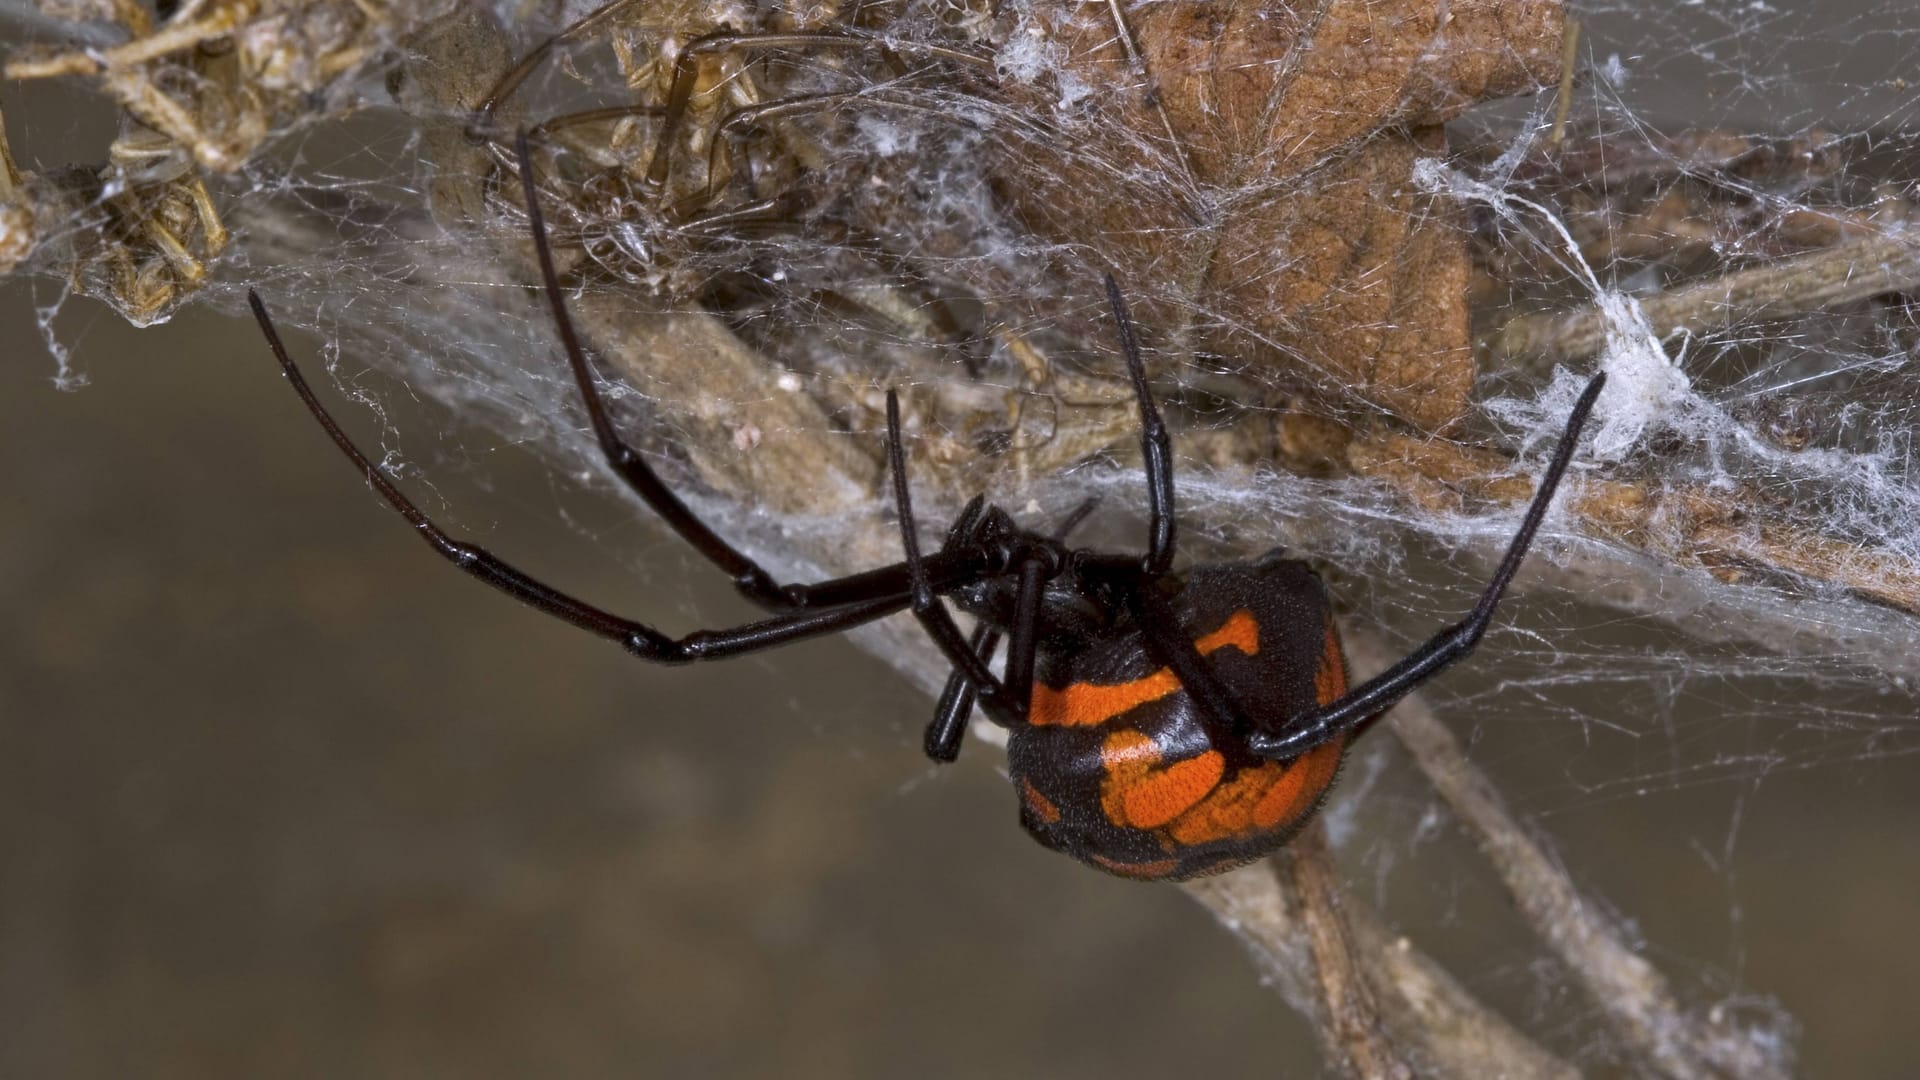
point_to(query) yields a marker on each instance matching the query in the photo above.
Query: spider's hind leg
(1381, 692)
(949, 724)
(1156, 447)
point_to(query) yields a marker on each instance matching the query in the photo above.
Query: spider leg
(1169, 643)
(749, 577)
(956, 698)
(637, 638)
(1379, 693)
(482, 121)
(1023, 639)
(949, 723)
(1155, 446)
(1075, 517)
(1156, 618)
(933, 615)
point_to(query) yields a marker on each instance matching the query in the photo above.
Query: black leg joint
(949, 724)
(651, 645)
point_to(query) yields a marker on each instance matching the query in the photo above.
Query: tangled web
(1376, 248)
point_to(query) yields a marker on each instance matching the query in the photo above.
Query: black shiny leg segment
(1156, 447)
(748, 576)
(949, 724)
(1023, 637)
(1172, 644)
(1381, 692)
(933, 614)
(872, 596)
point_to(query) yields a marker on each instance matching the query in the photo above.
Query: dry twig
(1630, 991)
(1430, 1019)
(1351, 1028)
(1824, 280)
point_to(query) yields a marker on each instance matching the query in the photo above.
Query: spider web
(1713, 647)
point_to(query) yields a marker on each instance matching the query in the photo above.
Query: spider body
(1163, 724)
(1117, 764)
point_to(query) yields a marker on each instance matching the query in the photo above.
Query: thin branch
(1846, 273)
(1683, 528)
(1351, 1027)
(1419, 996)
(1631, 993)
(1437, 1023)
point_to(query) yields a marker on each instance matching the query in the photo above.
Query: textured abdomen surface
(1119, 768)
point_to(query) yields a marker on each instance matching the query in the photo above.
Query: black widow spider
(1162, 724)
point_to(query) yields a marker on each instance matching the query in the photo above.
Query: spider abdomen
(1117, 765)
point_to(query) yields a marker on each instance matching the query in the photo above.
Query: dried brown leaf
(1285, 198)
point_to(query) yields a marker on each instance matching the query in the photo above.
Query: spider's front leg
(874, 600)
(1006, 705)
(949, 723)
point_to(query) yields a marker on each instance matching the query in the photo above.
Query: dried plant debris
(201, 91)
(1262, 178)
(19, 228)
(878, 193)
(1292, 222)
(139, 233)
(217, 77)
(1281, 194)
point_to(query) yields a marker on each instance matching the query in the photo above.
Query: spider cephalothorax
(1162, 724)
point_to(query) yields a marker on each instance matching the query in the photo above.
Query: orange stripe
(1304, 778)
(1260, 799)
(1331, 680)
(1146, 871)
(1127, 757)
(1041, 806)
(1164, 794)
(1086, 704)
(1138, 792)
(1228, 811)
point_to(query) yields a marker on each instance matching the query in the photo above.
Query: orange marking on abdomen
(1126, 757)
(1138, 792)
(1261, 798)
(1228, 811)
(1239, 631)
(1041, 806)
(1084, 704)
(1087, 704)
(1165, 794)
(1330, 681)
(1146, 871)
(1299, 786)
